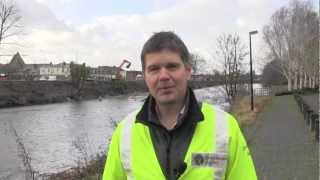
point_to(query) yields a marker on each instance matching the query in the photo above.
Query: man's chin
(166, 100)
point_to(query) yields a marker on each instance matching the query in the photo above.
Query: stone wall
(17, 93)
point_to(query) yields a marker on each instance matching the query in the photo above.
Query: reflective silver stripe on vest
(220, 153)
(125, 148)
(221, 143)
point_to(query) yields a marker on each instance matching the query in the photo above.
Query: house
(105, 73)
(2, 75)
(102, 73)
(134, 75)
(53, 72)
(18, 70)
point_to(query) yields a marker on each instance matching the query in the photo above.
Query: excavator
(118, 76)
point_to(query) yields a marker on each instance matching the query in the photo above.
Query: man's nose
(164, 74)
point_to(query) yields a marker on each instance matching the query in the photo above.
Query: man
(173, 136)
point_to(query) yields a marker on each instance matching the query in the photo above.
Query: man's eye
(172, 66)
(153, 68)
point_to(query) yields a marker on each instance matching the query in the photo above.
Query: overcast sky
(103, 32)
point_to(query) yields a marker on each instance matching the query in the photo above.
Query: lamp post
(251, 78)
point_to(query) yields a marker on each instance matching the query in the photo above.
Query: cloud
(56, 1)
(37, 15)
(106, 40)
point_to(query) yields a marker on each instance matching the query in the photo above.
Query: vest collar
(192, 111)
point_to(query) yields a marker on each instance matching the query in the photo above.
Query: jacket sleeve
(113, 168)
(240, 165)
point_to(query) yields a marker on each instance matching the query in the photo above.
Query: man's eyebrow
(152, 66)
(173, 63)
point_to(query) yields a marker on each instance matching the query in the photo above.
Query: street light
(251, 78)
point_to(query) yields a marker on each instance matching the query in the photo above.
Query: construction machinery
(118, 75)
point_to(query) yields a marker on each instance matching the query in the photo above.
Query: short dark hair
(165, 40)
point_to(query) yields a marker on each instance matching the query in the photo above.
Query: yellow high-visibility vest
(217, 151)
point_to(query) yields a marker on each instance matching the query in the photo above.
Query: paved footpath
(282, 146)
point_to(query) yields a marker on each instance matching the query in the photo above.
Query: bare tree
(304, 31)
(292, 37)
(275, 35)
(231, 51)
(310, 51)
(197, 62)
(79, 74)
(271, 74)
(9, 20)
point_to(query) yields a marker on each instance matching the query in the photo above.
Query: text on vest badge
(208, 159)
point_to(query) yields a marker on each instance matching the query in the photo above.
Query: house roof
(15, 64)
(17, 60)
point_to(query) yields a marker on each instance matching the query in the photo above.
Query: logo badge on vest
(208, 159)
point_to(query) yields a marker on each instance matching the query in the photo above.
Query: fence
(263, 91)
(311, 117)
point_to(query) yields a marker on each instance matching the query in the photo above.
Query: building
(18, 70)
(54, 71)
(134, 75)
(102, 73)
(105, 73)
(2, 75)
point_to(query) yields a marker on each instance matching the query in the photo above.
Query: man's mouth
(165, 87)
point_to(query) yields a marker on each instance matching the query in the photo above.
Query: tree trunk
(289, 84)
(313, 81)
(310, 82)
(301, 79)
(289, 81)
(295, 85)
(305, 80)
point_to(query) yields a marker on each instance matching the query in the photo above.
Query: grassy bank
(241, 108)
(91, 170)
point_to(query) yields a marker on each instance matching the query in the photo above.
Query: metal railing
(311, 117)
(262, 91)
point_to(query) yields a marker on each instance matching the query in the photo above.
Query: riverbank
(92, 170)
(241, 109)
(21, 93)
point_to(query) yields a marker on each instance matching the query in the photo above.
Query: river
(56, 135)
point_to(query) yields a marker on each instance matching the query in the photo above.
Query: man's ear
(144, 76)
(188, 67)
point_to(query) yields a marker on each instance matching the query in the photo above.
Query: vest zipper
(168, 158)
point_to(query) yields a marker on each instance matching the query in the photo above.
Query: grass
(241, 108)
(92, 170)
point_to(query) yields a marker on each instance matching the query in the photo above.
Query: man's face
(166, 76)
